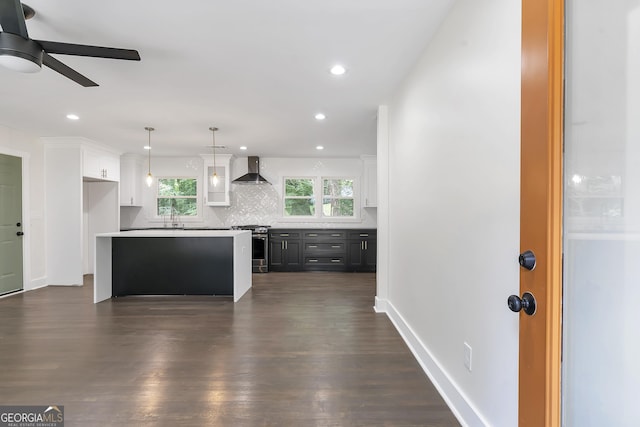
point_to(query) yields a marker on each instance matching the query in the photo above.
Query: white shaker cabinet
(131, 179)
(370, 181)
(217, 195)
(100, 165)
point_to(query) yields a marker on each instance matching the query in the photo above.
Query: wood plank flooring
(300, 349)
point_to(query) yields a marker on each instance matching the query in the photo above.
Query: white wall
(250, 204)
(454, 156)
(28, 147)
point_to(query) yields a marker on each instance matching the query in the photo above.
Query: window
(337, 197)
(299, 197)
(177, 196)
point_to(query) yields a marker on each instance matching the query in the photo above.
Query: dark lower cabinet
(285, 250)
(362, 255)
(322, 250)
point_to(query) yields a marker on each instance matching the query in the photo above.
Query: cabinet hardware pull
(362, 245)
(284, 234)
(364, 234)
(312, 235)
(335, 246)
(286, 244)
(366, 245)
(336, 235)
(132, 200)
(335, 260)
(313, 246)
(313, 260)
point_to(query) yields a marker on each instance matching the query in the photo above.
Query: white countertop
(175, 233)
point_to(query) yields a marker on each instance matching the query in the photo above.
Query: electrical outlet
(467, 356)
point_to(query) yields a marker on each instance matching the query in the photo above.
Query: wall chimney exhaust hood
(253, 177)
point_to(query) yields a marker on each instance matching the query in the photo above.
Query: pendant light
(214, 176)
(149, 178)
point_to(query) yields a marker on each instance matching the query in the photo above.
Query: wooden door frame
(542, 102)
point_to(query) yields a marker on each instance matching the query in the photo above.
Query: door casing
(13, 253)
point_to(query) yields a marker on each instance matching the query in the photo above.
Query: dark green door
(10, 224)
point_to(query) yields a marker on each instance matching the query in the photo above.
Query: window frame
(318, 197)
(353, 197)
(197, 198)
(313, 197)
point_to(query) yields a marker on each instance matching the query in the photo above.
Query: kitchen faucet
(175, 219)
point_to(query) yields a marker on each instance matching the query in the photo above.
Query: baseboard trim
(380, 305)
(38, 283)
(464, 411)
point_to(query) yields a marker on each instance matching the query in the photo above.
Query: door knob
(526, 303)
(18, 224)
(19, 233)
(527, 259)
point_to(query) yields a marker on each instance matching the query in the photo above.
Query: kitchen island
(172, 262)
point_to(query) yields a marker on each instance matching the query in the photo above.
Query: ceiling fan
(20, 53)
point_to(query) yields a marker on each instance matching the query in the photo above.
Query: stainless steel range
(259, 247)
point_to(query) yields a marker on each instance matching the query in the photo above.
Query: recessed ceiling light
(147, 147)
(243, 148)
(320, 116)
(72, 117)
(319, 147)
(338, 70)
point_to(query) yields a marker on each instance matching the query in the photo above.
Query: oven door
(260, 255)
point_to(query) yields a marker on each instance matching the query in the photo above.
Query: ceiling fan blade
(85, 50)
(12, 18)
(66, 71)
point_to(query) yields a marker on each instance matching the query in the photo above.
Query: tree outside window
(337, 197)
(299, 197)
(177, 196)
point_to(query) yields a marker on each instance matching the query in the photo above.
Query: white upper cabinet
(100, 165)
(218, 194)
(370, 181)
(131, 178)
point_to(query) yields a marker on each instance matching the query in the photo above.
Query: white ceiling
(256, 69)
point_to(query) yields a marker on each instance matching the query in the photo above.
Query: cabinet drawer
(320, 247)
(324, 235)
(284, 234)
(324, 260)
(362, 234)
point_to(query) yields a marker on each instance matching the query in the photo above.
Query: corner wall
(453, 226)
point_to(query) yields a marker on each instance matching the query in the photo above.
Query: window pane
(182, 207)
(177, 187)
(299, 207)
(302, 187)
(338, 187)
(337, 207)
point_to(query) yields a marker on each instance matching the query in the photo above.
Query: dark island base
(172, 266)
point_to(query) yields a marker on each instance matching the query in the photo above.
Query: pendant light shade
(213, 179)
(149, 178)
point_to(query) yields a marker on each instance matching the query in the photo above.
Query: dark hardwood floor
(300, 349)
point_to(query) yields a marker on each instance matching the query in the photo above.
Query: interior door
(541, 213)
(10, 224)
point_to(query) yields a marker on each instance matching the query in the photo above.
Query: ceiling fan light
(18, 54)
(19, 64)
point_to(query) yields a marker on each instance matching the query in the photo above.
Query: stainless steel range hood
(253, 177)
